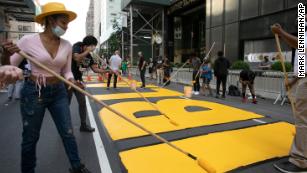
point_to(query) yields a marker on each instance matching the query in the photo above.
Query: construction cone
(100, 79)
(119, 78)
(129, 77)
(89, 78)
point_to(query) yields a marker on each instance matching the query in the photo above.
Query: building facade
(18, 29)
(89, 27)
(240, 28)
(110, 11)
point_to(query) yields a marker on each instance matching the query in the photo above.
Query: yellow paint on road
(224, 151)
(155, 93)
(175, 109)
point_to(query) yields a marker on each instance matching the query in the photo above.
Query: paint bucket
(187, 91)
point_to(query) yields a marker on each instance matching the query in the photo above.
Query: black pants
(196, 84)
(114, 81)
(142, 73)
(82, 103)
(220, 79)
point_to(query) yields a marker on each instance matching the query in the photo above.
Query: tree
(114, 41)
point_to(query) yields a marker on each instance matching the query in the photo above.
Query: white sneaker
(196, 93)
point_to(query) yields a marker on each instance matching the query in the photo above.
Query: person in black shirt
(221, 66)
(167, 71)
(247, 78)
(80, 61)
(142, 67)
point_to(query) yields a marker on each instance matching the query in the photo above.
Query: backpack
(233, 91)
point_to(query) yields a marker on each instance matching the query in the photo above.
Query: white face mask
(58, 31)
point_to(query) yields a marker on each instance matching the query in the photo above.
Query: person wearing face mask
(43, 91)
(297, 162)
(81, 60)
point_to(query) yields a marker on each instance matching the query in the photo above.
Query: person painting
(81, 60)
(247, 78)
(196, 63)
(297, 162)
(43, 91)
(115, 64)
(206, 75)
(142, 68)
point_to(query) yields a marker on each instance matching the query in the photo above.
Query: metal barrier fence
(268, 84)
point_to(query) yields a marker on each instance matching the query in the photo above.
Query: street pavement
(50, 152)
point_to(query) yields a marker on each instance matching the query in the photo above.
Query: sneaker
(196, 93)
(254, 101)
(9, 99)
(108, 88)
(81, 169)
(86, 128)
(223, 96)
(217, 96)
(288, 167)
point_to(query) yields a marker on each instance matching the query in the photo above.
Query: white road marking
(259, 121)
(101, 153)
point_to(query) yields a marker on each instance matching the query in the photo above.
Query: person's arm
(228, 64)
(9, 74)
(66, 71)
(80, 56)
(10, 49)
(291, 82)
(94, 65)
(95, 69)
(288, 38)
(143, 65)
(215, 67)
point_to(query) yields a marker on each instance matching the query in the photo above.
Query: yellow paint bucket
(187, 91)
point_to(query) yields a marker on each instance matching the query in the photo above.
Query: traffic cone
(129, 76)
(119, 78)
(89, 78)
(100, 79)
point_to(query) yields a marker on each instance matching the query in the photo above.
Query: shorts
(206, 81)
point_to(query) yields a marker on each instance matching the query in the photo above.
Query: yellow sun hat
(52, 8)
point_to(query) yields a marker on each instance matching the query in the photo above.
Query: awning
(151, 3)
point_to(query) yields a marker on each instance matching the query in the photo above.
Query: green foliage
(114, 41)
(278, 67)
(240, 65)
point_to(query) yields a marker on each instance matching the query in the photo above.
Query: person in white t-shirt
(297, 162)
(115, 64)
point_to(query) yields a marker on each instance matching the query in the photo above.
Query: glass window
(249, 9)
(26, 28)
(19, 27)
